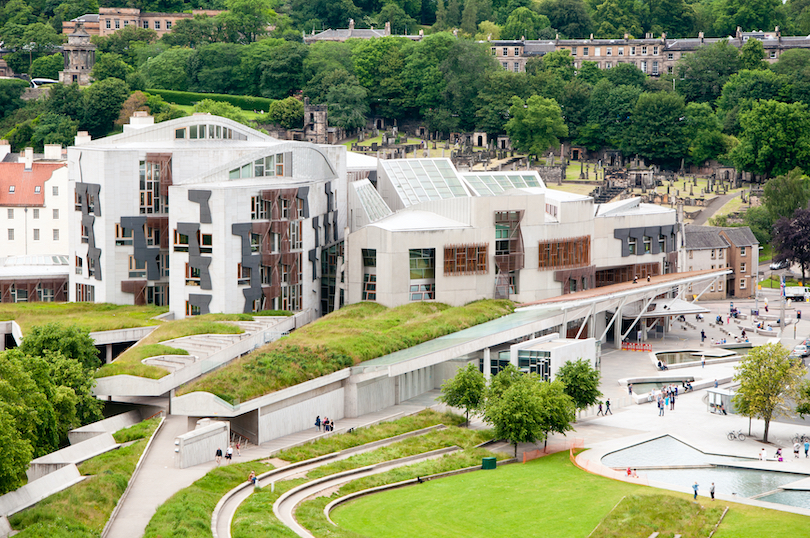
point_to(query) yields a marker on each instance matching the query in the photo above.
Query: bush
(245, 102)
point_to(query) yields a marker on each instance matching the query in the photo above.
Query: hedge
(245, 102)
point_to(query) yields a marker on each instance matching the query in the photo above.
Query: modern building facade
(711, 247)
(206, 215)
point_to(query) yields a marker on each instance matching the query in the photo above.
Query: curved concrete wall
(39, 489)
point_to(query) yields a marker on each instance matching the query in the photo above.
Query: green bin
(488, 463)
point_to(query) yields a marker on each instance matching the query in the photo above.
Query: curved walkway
(713, 207)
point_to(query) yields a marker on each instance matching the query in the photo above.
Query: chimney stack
(82, 137)
(29, 158)
(5, 149)
(53, 152)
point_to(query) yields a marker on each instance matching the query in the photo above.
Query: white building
(431, 233)
(206, 215)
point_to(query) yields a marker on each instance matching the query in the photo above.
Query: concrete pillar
(109, 358)
(617, 329)
(642, 324)
(349, 399)
(487, 364)
(592, 326)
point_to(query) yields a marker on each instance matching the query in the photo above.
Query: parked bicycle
(801, 438)
(739, 435)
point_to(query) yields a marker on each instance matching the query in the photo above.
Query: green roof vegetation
(86, 316)
(129, 362)
(351, 335)
(82, 510)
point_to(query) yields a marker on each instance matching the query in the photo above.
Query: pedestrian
(711, 490)
(600, 410)
(326, 424)
(806, 448)
(229, 453)
(238, 451)
(607, 407)
(723, 409)
(648, 278)
(695, 487)
(635, 280)
(219, 455)
(252, 478)
(743, 334)
(762, 455)
(703, 361)
(796, 448)
(715, 383)
(318, 423)
(672, 401)
(630, 389)
(766, 308)
(666, 402)
(660, 407)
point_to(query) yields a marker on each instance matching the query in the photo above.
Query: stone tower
(80, 56)
(316, 127)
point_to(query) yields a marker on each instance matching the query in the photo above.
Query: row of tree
(524, 408)
(45, 391)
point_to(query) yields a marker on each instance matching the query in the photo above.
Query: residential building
(111, 19)
(711, 247)
(342, 34)
(89, 22)
(206, 215)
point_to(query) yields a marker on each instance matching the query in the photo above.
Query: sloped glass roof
(423, 180)
(491, 184)
(372, 202)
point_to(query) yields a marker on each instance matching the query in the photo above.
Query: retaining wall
(70, 455)
(200, 445)
(108, 425)
(39, 489)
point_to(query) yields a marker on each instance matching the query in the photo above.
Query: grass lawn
(129, 362)
(353, 334)
(249, 114)
(82, 510)
(765, 253)
(88, 316)
(550, 497)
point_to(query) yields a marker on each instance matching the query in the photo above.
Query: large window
(137, 269)
(631, 245)
(180, 242)
(466, 260)
(423, 263)
(85, 293)
(574, 252)
(150, 199)
(296, 241)
(647, 244)
(192, 276)
(369, 287)
(259, 209)
(369, 257)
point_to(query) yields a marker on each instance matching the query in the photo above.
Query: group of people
(666, 398)
(695, 487)
(604, 411)
(326, 424)
(228, 453)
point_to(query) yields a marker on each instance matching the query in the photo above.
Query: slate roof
(741, 237)
(704, 237)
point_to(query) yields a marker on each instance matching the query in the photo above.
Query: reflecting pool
(662, 451)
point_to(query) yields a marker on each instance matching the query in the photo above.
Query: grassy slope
(498, 503)
(351, 335)
(129, 362)
(83, 509)
(89, 316)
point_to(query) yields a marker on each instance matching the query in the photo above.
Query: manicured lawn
(548, 497)
(353, 334)
(88, 316)
(129, 362)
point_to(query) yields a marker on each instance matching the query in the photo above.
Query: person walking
(630, 389)
(318, 423)
(703, 361)
(796, 447)
(219, 455)
(672, 401)
(238, 451)
(229, 453)
(806, 448)
(711, 490)
(607, 407)
(695, 488)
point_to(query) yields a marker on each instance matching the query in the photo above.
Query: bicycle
(739, 435)
(801, 438)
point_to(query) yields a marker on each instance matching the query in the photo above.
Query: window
(574, 252)
(91, 267)
(584, 51)
(164, 266)
(609, 51)
(157, 25)
(690, 255)
(255, 242)
(11, 189)
(108, 25)
(608, 65)
(152, 237)
(180, 242)
(168, 25)
(146, 24)
(150, 199)
(55, 190)
(713, 255)
(37, 189)
(242, 275)
(655, 51)
(36, 212)
(492, 49)
(643, 51)
(11, 213)
(369, 257)
(18, 295)
(621, 51)
(655, 67)
(517, 51)
(45, 294)
(192, 276)
(662, 243)
(422, 292)
(55, 214)
(369, 287)
(137, 269)
(631, 245)
(422, 263)
(206, 245)
(720, 253)
(11, 234)
(573, 51)
(192, 310)
(742, 268)
(180, 133)
(296, 241)
(516, 67)
(84, 233)
(712, 267)
(126, 23)
(267, 275)
(505, 65)
(742, 251)
(291, 297)
(78, 269)
(85, 293)
(506, 51)
(719, 285)
(259, 209)
(632, 51)
(647, 244)
(117, 24)
(643, 67)
(670, 56)
(123, 236)
(56, 234)
(772, 54)
(36, 234)
(466, 260)
(742, 283)
(157, 295)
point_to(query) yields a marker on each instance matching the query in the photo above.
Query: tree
(746, 14)
(581, 382)
(560, 63)
(169, 70)
(492, 105)
(627, 74)
(570, 17)
(215, 68)
(465, 390)
(768, 380)
(66, 100)
(348, 106)
(517, 415)
(535, 125)
(70, 341)
(792, 239)
(742, 90)
(523, 23)
(10, 93)
(191, 32)
(126, 42)
(110, 65)
(706, 141)
(704, 72)
(289, 113)
(775, 138)
(47, 66)
(246, 20)
(283, 73)
(658, 130)
(469, 17)
(761, 223)
(752, 54)
(17, 453)
(29, 41)
(557, 409)
(327, 56)
(784, 194)
(54, 129)
(488, 30)
(464, 71)
(224, 109)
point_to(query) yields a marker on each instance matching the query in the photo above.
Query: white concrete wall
(39, 467)
(414, 383)
(200, 445)
(108, 425)
(280, 420)
(35, 491)
(608, 250)
(375, 395)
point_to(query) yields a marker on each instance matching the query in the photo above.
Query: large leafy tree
(191, 32)
(611, 110)
(110, 65)
(535, 125)
(169, 70)
(517, 415)
(465, 390)
(215, 68)
(464, 70)
(775, 138)
(581, 382)
(752, 55)
(283, 72)
(492, 106)
(70, 341)
(704, 72)
(658, 130)
(747, 14)
(784, 194)
(792, 239)
(10, 92)
(378, 65)
(126, 42)
(523, 23)
(742, 91)
(557, 409)
(47, 66)
(626, 74)
(348, 106)
(289, 113)
(768, 381)
(246, 20)
(29, 42)
(570, 17)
